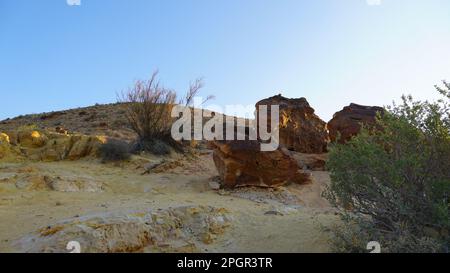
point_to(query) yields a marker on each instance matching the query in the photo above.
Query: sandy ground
(288, 220)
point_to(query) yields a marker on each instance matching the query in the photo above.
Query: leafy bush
(114, 150)
(392, 184)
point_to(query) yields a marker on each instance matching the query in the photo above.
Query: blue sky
(54, 56)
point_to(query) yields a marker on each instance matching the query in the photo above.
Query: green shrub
(392, 184)
(114, 150)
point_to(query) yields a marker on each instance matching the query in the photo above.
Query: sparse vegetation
(28, 127)
(148, 111)
(114, 150)
(149, 108)
(154, 146)
(392, 184)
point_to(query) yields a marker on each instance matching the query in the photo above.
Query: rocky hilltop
(347, 123)
(301, 130)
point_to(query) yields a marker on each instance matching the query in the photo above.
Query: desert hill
(107, 119)
(54, 189)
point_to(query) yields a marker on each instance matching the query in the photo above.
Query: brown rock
(300, 129)
(61, 130)
(348, 122)
(241, 163)
(313, 162)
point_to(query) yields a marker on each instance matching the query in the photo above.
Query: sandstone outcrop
(347, 122)
(48, 146)
(4, 138)
(7, 151)
(300, 129)
(42, 182)
(84, 146)
(182, 229)
(31, 139)
(4, 145)
(242, 163)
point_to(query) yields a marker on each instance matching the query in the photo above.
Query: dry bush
(114, 150)
(148, 111)
(194, 89)
(148, 108)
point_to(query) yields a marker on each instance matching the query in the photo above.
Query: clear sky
(54, 56)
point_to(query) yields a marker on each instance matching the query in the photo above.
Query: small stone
(223, 192)
(208, 238)
(220, 220)
(214, 185)
(273, 212)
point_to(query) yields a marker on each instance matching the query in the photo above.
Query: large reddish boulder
(300, 129)
(347, 123)
(242, 163)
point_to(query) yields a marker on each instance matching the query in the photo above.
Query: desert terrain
(147, 203)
